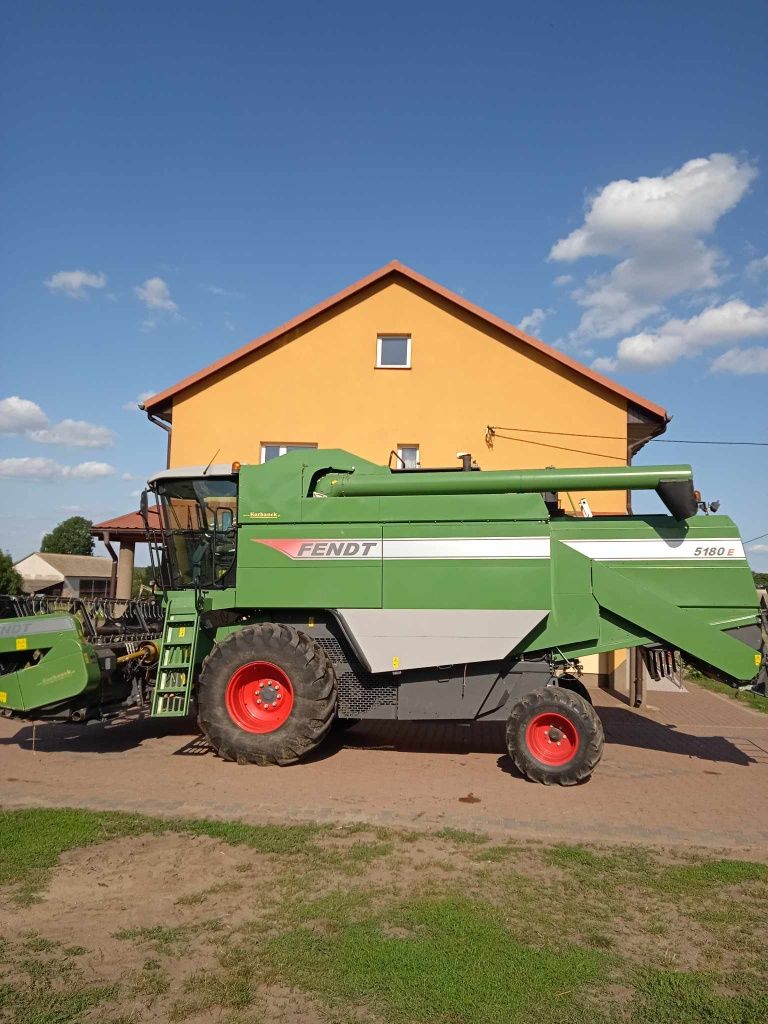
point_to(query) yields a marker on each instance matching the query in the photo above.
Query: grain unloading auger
(320, 586)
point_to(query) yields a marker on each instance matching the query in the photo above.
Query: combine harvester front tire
(267, 695)
(554, 736)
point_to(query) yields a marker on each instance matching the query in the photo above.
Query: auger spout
(674, 484)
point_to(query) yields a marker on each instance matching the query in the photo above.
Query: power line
(560, 447)
(610, 437)
(753, 539)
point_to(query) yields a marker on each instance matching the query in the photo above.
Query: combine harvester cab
(321, 587)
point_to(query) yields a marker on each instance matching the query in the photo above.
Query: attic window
(393, 352)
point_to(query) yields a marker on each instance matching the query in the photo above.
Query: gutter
(164, 426)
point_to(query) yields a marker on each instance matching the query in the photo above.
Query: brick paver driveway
(691, 768)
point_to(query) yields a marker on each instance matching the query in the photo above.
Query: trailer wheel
(554, 736)
(267, 695)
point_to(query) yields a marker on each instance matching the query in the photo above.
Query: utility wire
(753, 539)
(612, 437)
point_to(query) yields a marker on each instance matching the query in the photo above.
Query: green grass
(458, 835)
(692, 997)
(750, 700)
(451, 959)
(353, 928)
(44, 1005)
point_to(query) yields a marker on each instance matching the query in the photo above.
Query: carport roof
(128, 527)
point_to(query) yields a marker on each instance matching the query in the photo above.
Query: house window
(274, 451)
(409, 456)
(393, 352)
(93, 588)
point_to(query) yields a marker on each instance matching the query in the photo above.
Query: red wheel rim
(259, 697)
(552, 738)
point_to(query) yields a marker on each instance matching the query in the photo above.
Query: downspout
(167, 428)
(113, 555)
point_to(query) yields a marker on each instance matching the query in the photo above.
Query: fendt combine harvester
(320, 586)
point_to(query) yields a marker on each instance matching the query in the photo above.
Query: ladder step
(173, 684)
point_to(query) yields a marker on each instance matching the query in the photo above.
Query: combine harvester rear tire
(267, 695)
(554, 736)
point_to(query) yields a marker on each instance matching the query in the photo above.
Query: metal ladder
(175, 670)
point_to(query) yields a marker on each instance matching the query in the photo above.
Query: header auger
(320, 586)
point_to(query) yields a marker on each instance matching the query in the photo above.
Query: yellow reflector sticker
(757, 660)
(182, 631)
(3, 697)
(21, 643)
(395, 663)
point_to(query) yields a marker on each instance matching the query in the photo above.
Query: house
(396, 367)
(65, 575)
(397, 363)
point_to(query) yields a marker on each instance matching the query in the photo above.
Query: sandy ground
(691, 769)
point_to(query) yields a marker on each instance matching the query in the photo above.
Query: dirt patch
(131, 887)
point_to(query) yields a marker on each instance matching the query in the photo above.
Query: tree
(71, 537)
(761, 579)
(10, 580)
(143, 576)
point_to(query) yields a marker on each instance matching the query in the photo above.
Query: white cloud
(563, 280)
(742, 361)
(30, 468)
(606, 364)
(757, 267)
(756, 549)
(127, 476)
(26, 419)
(18, 415)
(139, 400)
(154, 294)
(534, 320)
(89, 470)
(654, 227)
(74, 282)
(77, 433)
(229, 325)
(727, 324)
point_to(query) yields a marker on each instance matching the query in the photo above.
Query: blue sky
(178, 178)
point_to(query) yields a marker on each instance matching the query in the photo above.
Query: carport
(127, 531)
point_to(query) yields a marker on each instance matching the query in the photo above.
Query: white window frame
(402, 447)
(284, 446)
(388, 366)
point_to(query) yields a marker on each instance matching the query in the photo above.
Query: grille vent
(358, 693)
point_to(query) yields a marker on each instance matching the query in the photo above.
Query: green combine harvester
(321, 587)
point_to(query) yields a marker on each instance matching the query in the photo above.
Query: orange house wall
(320, 385)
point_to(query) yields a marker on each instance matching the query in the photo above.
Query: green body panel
(55, 662)
(617, 592)
(267, 578)
(465, 583)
